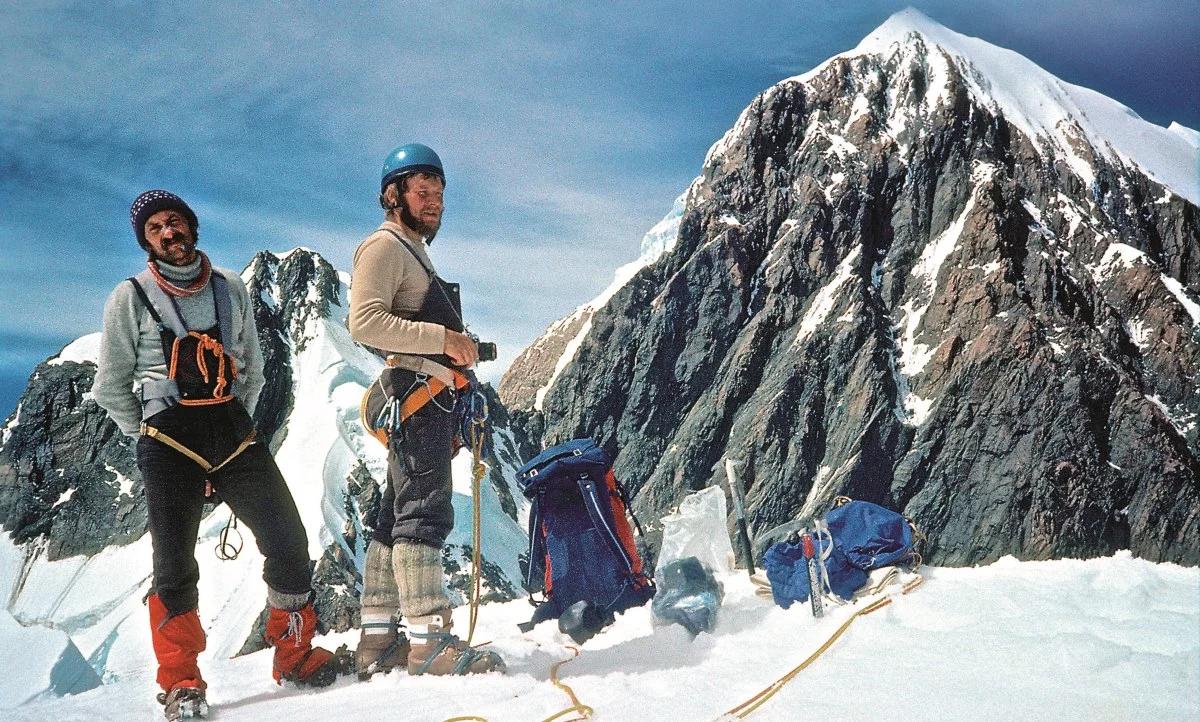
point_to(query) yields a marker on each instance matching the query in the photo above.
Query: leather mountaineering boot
(183, 703)
(178, 640)
(382, 646)
(296, 660)
(437, 651)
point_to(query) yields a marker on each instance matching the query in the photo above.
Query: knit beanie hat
(151, 202)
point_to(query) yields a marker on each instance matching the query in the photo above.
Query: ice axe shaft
(739, 512)
(811, 553)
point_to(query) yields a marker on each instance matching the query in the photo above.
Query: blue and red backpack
(581, 547)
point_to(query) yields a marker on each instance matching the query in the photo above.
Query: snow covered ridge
(85, 349)
(1094, 639)
(1041, 105)
(657, 242)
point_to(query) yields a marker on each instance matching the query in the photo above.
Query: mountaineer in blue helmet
(400, 307)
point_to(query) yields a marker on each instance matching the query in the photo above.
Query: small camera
(486, 350)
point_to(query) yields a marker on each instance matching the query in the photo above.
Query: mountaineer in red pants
(180, 369)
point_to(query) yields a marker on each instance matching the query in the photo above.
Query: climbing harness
(398, 407)
(153, 433)
(199, 371)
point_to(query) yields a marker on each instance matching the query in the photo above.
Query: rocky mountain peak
(302, 286)
(929, 274)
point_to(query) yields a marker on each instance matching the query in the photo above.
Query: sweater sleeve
(113, 386)
(251, 377)
(380, 269)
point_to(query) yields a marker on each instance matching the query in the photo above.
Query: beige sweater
(387, 289)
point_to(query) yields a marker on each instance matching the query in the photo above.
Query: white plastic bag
(697, 529)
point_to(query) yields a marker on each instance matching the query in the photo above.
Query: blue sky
(567, 129)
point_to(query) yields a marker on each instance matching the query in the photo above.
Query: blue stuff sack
(869, 535)
(787, 570)
(864, 536)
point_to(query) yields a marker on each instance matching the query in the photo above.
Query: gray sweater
(131, 348)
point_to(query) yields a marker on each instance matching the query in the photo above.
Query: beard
(427, 229)
(180, 252)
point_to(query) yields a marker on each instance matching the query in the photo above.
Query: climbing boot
(296, 660)
(381, 647)
(184, 703)
(437, 651)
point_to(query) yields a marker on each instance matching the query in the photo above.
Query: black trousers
(416, 503)
(251, 485)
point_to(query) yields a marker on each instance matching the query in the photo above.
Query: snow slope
(1110, 638)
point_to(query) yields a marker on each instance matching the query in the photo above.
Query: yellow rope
(478, 471)
(584, 711)
(745, 709)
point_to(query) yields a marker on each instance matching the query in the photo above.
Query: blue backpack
(861, 536)
(581, 548)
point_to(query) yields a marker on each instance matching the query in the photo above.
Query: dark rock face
(68, 476)
(939, 315)
(494, 587)
(276, 398)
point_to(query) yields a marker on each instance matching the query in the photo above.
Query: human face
(422, 206)
(171, 238)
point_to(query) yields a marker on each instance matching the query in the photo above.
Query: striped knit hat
(151, 202)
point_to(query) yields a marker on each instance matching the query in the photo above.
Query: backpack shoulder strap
(222, 299)
(623, 495)
(591, 501)
(537, 551)
(413, 251)
(162, 308)
(141, 293)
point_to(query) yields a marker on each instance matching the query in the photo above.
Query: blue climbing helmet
(411, 158)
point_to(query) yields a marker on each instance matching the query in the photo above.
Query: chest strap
(160, 394)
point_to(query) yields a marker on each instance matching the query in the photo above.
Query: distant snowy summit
(926, 273)
(1074, 123)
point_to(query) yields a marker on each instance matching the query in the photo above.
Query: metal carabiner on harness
(423, 379)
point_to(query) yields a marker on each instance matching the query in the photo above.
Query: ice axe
(739, 511)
